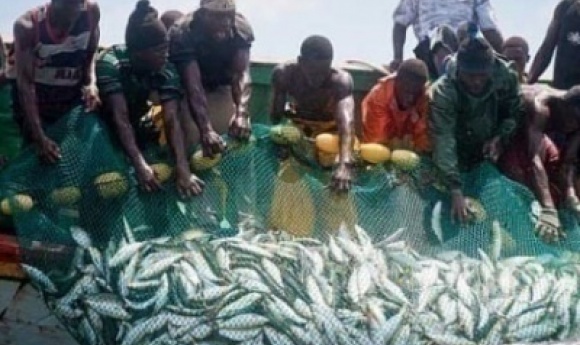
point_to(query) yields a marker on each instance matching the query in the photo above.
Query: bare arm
(89, 73)
(569, 163)
(541, 181)
(241, 83)
(535, 132)
(25, 68)
(343, 174)
(278, 103)
(175, 135)
(187, 184)
(405, 14)
(546, 51)
(345, 119)
(399, 38)
(240, 127)
(191, 76)
(117, 106)
(539, 173)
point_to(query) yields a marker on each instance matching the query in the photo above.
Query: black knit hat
(475, 54)
(144, 29)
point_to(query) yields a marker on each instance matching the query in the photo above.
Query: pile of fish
(269, 288)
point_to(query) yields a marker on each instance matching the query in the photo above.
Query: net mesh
(93, 188)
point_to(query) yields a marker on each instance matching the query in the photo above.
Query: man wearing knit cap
(131, 77)
(211, 49)
(54, 53)
(474, 110)
(319, 99)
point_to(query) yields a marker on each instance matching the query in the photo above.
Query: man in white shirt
(427, 15)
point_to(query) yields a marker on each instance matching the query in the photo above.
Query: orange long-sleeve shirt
(385, 123)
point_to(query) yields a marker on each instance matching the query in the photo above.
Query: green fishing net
(93, 188)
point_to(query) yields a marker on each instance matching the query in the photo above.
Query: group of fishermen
(483, 106)
(464, 99)
(56, 68)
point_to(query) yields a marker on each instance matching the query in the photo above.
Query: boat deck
(24, 320)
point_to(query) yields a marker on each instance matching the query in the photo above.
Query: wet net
(268, 254)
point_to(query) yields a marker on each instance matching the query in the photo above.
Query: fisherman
(564, 34)
(211, 49)
(538, 163)
(394, 112)
(128, 77)
(321, 101)
(427, 15)
(475, 109)
(55, 46)
(517, 50)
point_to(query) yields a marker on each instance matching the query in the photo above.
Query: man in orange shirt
(395, 110)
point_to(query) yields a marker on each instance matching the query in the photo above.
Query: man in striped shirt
(55, 45)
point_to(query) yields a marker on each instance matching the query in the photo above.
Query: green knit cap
(144, 29)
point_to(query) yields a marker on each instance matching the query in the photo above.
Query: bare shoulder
(535, 102)
(282, 73)
(342, 80)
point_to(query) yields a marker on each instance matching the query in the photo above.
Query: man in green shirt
(130, 79)
(475, 108)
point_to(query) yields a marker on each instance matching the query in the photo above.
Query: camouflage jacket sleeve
(109, 78)
(170, 85)
(511, 106)
(442, 121)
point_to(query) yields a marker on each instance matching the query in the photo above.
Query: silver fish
(436, 221)
(41, 280)
(81, 237)
(108, 305)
